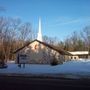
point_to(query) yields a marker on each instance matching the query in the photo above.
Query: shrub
(54, 62)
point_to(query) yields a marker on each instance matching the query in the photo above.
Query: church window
(36, 46)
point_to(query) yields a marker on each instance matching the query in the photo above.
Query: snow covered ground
(72, 69)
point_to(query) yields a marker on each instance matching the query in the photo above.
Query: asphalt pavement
(29, 83)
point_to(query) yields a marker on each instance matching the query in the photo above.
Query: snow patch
(70, 68)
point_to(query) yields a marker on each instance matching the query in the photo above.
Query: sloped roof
(63, 52)
(80, 53)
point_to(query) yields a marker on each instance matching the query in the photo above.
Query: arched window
(35, 47)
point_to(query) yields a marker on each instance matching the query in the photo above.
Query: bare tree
(74, 42)
(86, 36)
(25, 32)
(50, 40)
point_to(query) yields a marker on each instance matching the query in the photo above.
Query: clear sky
(59, 17)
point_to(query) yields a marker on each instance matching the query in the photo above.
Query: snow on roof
(79, 52)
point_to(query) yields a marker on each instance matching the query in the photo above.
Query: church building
(39, 52)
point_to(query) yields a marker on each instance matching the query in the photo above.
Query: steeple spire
(39, 36)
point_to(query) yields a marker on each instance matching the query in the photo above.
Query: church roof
(80, 53)
(63, 52)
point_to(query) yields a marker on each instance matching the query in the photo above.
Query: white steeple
(39, 36)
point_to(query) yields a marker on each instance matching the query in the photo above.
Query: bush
(2, 64)
(2, 56)
(2, 60)
(54, 62)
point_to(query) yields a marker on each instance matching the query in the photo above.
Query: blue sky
(59, 17)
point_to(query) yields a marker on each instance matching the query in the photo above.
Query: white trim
(79, 53)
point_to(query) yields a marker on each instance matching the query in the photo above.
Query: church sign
(23, 58)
